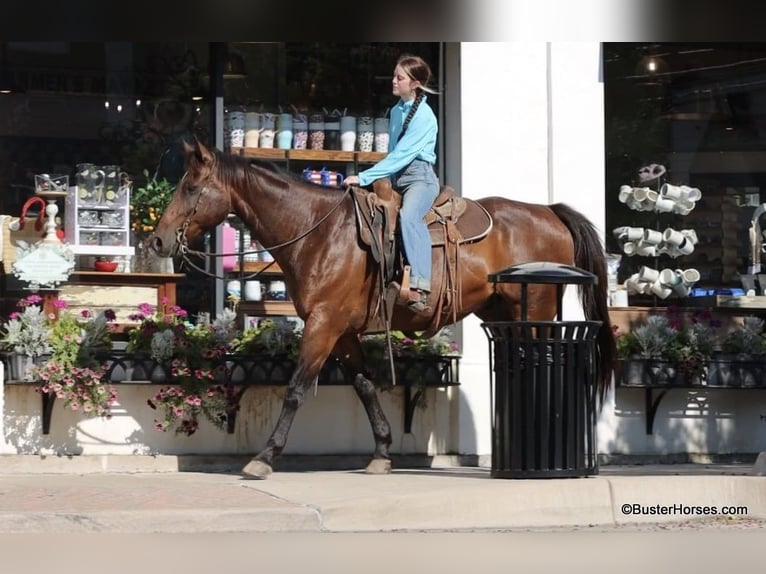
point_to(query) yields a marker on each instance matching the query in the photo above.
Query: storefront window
(317, 76)
(697, 110)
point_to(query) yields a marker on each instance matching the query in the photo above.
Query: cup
(331, 178)
(648, 275)
(629, 248)
(619, 298)
(300, 131)
(671, 191)
(234, 288)
(691, 235)
(365, 133)
(284, 134)
(380, 129)
(661, 290)
(347, 126)
(691, 193)
(646, 249)
(690, 276)
(652, 236)
(635, 233)
(686, 247)
(253, 291)
(267, 138)
(664, 205)
(673, 237)
(670, 277)
(640, 194)
(626, 192)
(236, 129)
(681, 289)
(252, 129)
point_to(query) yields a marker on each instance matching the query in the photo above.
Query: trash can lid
(543, 272)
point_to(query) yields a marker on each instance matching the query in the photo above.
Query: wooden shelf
(309, 154)
(256, 266)
(320, 155)
(264, 308)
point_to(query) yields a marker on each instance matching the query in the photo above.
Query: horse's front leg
(316, 344)
(349, 352)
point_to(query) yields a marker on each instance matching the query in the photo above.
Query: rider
(409, 164)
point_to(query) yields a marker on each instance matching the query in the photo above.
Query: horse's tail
(590, 256)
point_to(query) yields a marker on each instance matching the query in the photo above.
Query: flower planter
(19, 366)
(737, 371)
(644, 372)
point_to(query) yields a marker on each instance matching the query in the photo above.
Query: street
(714, 546)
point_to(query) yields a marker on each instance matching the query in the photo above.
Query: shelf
(309, 154)
(256, 266)
(101, 249)
(263, 308)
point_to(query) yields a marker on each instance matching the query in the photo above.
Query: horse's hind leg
(349, 352)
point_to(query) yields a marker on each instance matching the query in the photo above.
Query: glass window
(699, 111)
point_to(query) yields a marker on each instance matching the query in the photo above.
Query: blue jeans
(419, 187)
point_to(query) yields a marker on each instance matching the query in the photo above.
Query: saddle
(452, 221)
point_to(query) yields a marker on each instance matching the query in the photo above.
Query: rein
(186, 252)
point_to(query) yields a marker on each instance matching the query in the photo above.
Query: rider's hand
(351, 180)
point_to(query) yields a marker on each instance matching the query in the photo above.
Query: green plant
(148, 202)
(28, 332)
(189, 354)
(748, 338)
(406, 351)
(270, 337)
(685, 340)
(74, 373)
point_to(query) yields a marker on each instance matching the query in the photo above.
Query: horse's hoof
(378, 466)
(257, 469)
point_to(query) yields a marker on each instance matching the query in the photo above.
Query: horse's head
(200, 202)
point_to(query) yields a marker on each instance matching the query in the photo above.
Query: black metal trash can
(544, 388)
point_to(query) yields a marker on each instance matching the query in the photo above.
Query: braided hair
(419, 98)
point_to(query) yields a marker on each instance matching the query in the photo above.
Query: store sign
(45, 264)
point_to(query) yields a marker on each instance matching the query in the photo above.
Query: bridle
(185, 251)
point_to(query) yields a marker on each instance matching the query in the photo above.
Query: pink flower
(59, 304)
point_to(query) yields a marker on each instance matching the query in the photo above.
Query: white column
(531, 129)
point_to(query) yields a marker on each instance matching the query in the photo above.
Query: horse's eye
(189, 189)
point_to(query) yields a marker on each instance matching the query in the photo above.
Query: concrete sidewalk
(450, 498)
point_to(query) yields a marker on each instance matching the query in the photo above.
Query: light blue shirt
(418, 142)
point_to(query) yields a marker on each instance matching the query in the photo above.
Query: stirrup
(420, 304)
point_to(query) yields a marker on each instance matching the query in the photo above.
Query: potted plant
(266, 353)
(74, 372)
(147, 203)
(418, 361)
(741, 361)
(667, 349)
(166, 348)
(26, 337)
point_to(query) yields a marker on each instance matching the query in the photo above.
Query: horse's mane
(236, 168)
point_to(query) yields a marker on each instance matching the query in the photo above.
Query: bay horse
(334, 283)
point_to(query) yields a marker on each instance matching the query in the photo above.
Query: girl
(409, 164)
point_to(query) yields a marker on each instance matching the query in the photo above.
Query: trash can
(544, 383)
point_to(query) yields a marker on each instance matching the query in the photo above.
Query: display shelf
(258, 266)
(99, 229)
(309, 154)
(265, 308)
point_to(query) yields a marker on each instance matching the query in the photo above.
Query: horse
(334, 283)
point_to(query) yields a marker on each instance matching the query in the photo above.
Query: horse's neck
(277, 211)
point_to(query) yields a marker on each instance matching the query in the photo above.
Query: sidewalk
(449, 498)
